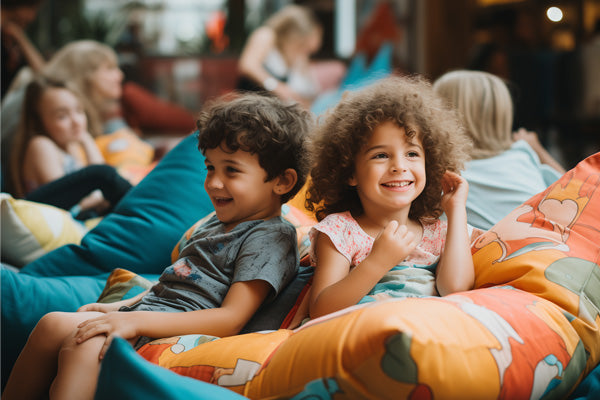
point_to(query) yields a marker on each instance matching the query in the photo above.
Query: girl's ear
(286, 181)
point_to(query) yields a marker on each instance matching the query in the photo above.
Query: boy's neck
(230, 226)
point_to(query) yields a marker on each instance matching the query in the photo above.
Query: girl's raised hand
(455, 190)
(393, 244)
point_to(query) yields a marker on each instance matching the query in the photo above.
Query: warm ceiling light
(554, 14)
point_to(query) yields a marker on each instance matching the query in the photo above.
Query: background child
(383, 157)
(53, 141)
(507, 168)
(256, 160)
(276, 56)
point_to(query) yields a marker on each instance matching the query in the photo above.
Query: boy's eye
(210, 168)
(232, 170)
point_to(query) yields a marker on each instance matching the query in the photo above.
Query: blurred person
(506, 168)
(17, 49)
(53, 141)
(277, 54)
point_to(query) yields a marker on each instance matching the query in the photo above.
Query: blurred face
(299, 48)
(107, 81)
(62, 115)
(235, 183)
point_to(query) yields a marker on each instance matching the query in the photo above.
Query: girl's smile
(389, 173)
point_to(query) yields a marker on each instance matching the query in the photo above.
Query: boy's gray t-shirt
(212, 260)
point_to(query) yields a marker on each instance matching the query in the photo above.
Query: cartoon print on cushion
(526, 224)
(528, 340)
(581, 277)
(398, 364)
(523, 364)
(320, 389)
(244, 371)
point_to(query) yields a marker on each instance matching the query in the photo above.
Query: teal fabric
(589, 388)
(166, 202)
(357, 76)
(26, 298)
(126, 375)
(139, 236)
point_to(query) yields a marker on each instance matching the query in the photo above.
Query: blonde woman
(277, 54)
(506, 168)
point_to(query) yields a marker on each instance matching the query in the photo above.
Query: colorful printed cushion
(124, 375)
(123, 147)
(490, 343)
(550, 247)
(123, 284)
(30, 230)
(529, 330)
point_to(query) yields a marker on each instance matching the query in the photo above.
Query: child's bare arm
(335, 286)
(455, 270)
(240, 303)
(44, 159)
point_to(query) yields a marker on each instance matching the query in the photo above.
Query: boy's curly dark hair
(410, 103)
(262, 125)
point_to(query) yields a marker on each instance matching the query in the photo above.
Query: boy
(256, 159)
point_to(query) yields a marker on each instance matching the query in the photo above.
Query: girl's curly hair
(410, 103)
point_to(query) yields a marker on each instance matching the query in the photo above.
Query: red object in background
(145, 112)
(215, 30)
(381, 27)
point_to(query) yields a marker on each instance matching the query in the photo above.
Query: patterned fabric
(530, 329)
(413, 277)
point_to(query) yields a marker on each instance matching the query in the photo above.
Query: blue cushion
(125, 374)
(26, 298)
(357, 77)
(166, 202)
(589, 388)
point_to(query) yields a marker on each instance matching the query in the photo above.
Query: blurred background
(186, 51)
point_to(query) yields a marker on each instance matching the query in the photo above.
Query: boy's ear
(286, 181)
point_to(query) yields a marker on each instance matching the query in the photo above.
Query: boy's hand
(112, 324)
(455, 189)
(393, 244)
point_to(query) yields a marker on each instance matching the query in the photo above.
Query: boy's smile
(236, 185)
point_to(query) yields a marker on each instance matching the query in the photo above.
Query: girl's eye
(380, 155)
(413, 154)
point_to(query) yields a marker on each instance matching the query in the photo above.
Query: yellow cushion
(30, 230)
(123, 147)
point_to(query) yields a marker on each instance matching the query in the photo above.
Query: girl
(485, 105)
(53, 142)
(277, 54)
(383, 157)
